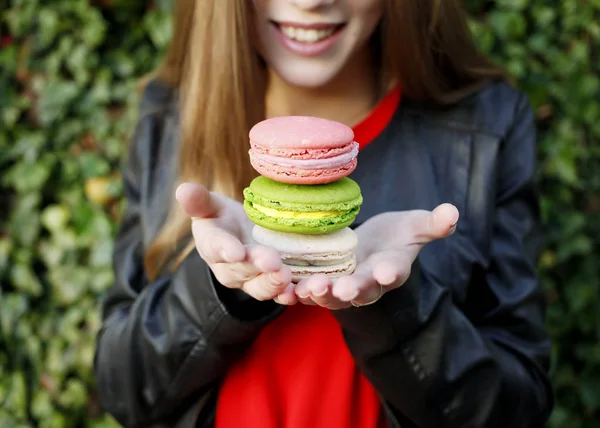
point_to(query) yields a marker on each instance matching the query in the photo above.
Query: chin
(307, 78)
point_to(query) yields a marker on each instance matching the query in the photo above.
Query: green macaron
(307, 209)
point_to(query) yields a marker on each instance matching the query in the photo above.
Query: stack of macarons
(303, 202)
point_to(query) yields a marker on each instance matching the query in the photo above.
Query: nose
(312, 4)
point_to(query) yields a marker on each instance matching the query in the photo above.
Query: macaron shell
(305, 226)
(294, 208)
(306, 255)
(340, 195)
(302, 176)
(298, 246)
(300, 132)
(332, 271)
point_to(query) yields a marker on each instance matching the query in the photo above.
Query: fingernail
(320, 292)
(457, 218)
(285, 300)
(281, 301)
(452, 229)
(275, 279)
(260, 265)
(301, 292)
(346, 294)
(389, 281)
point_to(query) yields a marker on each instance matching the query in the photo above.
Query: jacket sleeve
(436, 365)
(163, 344)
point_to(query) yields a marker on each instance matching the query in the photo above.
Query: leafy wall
(68, 70)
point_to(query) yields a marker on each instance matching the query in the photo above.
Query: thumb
(197, 201)
(440, 223)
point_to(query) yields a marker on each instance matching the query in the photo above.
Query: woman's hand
(223, 237)
(388, 244)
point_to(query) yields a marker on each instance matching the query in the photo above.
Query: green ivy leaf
(55, 218)
(94, 32)
(28, 146)
(28, 176)
(92, 165)
(14, 306)
(55, 100)
(48, 26)
(74, 395)
(69, 284)
(24, 225)
(21, 18)
(159, 27)
(15, 398)
(24, 280)
(42, 404)
(508, 24)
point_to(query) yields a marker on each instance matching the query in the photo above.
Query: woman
(442, 323)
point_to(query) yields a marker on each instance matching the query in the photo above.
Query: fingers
(258, 260)
(316, 290)
(260, 275)
(215, 245)
(371, 280)
(316, 286)
(263, 258)
(196, 201)
(444, 219)
(428, 226)
(233, 275)
(257, 270)
(267, 286)
(288, 296)
(302, 292)
(365, 286)
(357, 287)
(392, 269)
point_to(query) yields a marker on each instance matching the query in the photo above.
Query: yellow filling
(315, 215)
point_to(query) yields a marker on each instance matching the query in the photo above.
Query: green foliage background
(68, 70)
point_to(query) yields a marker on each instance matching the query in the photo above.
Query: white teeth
(306, 35)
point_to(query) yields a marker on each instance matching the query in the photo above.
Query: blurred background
(68, 74)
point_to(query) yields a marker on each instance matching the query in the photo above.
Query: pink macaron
(303, 150)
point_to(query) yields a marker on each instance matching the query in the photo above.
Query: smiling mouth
(308, 34)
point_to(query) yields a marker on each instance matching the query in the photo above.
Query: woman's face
(308, 42)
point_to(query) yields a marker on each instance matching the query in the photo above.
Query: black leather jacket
(462, 344)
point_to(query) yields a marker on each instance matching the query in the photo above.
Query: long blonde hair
(424, 45)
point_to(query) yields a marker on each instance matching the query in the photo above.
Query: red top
(374, 124)
(299, 373)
